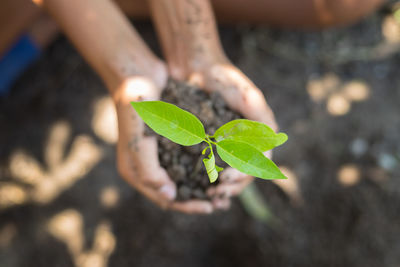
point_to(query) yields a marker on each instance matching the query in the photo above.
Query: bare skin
(131, 71)
(301, 14)
(18, 15)
(189, 38)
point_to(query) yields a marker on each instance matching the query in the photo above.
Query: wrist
(133, 79)
(188, 34)
(182, 69)
(204, 61)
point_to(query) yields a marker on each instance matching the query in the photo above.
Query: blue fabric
(15, 61)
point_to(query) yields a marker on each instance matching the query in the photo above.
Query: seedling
(240, 143)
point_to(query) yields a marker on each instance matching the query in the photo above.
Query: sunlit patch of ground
(349, 175)
(109, 197)
(44, 183)
(338, 95)
(67, 226)
(104, 122)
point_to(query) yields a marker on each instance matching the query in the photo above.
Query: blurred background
(335, 92)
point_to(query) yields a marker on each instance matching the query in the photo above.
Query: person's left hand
(137, 154)
(244, 97)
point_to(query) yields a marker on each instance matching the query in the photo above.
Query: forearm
(104, 37)
(188, 34)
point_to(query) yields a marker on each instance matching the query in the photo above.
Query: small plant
(240, 143)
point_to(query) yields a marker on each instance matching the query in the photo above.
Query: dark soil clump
(184, 164)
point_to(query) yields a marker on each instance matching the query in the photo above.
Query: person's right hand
(243, 96)
(137, 154)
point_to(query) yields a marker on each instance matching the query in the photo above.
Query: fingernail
(208, 209)
(168, 191)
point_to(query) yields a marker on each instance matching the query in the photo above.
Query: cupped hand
(244, 97)
(137, 154)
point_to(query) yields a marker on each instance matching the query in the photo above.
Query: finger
(158, 180)
(168, 187)
(230, 175)
(231, 189)
(145, 155)
(253, 106)
(192, 207)
(242, 95)
(161, 196)
(221, 203)
(141, 176)
(196, 79)
(154, 195)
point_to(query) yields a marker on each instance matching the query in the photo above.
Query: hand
(137, 154)
(244, 97)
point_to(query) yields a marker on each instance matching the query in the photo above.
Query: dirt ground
(337, 95)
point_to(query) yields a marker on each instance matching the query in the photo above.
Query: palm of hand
(138, 155)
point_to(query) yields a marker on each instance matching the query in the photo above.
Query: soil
(339, 207)
(184, 163)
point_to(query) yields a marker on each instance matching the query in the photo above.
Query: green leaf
(248, 159)
(211, 168)
(254, 133)
(171, 122)
(218, 168)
